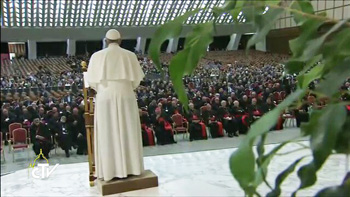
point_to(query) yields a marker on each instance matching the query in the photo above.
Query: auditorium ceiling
(106, 13)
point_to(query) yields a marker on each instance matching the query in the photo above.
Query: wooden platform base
(146, 180)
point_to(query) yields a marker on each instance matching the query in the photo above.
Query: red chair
(20, 141)
(12, 127)
(1, 149)
(179, 125)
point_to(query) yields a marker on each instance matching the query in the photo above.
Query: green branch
(312, 16)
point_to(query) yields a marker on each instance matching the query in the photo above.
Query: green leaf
(343, 139)
(308, 31)
(169, 30)
(307, 127)
(229, 5)
(341, 42)
(337, 49)
(264, 23)
(307, 176)
(238, 8)
(242, 167)
(260, 149)
(269, 120)
(324, 135)
(322, 141)
(184, 62)
(242, 161)
(272, 2)
(311, 63)
(261, 173)
(294, 66)
(342, 190)
(334, 79)
(303, 6)
(313, 47)
(281, 177)
(305, 79)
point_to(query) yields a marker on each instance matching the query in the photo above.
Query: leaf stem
(286, 153)
(302, 145)
(347, 163)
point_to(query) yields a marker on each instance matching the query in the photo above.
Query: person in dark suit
(255, 111)
(6, 119)
(244, 103)
(241, 117)
(78, 132)
(268, 106)
(41, 137)
(68, 98)
(191, 112)
(228, 121)
(42, 115)
(207, 114)
(216, 103)
(210, 120)
(61, 131)
(198, 101)
(64, 135)
(162, 127)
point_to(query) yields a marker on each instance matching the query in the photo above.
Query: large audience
(227, 93)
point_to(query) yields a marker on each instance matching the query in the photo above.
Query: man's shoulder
(127, 52)
(105, 51)
(98, 53)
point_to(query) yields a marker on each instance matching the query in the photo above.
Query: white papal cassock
(114, 73)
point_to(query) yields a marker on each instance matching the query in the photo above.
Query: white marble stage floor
(203, 173)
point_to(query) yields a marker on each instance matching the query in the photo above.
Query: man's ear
(119, 41)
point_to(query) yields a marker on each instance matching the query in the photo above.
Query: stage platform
(204, 173)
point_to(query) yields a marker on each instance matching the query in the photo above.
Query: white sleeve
(138, 73)
(92, 75)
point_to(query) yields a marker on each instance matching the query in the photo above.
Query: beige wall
(337, 9)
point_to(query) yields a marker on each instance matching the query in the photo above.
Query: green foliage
(305, 79)
(316, 55)
(341, 190)
(330, 85)
(169, 30)
(304, 7)
(263, 23)
(281, 177)
(242, 161)
(184, 62)
(325, 128)
(343, 139)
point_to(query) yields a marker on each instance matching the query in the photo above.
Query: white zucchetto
(113, 34)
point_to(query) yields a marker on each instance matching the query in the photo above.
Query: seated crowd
(227, 93)
(49, 122)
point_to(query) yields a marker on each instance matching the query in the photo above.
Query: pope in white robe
(114, 73)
